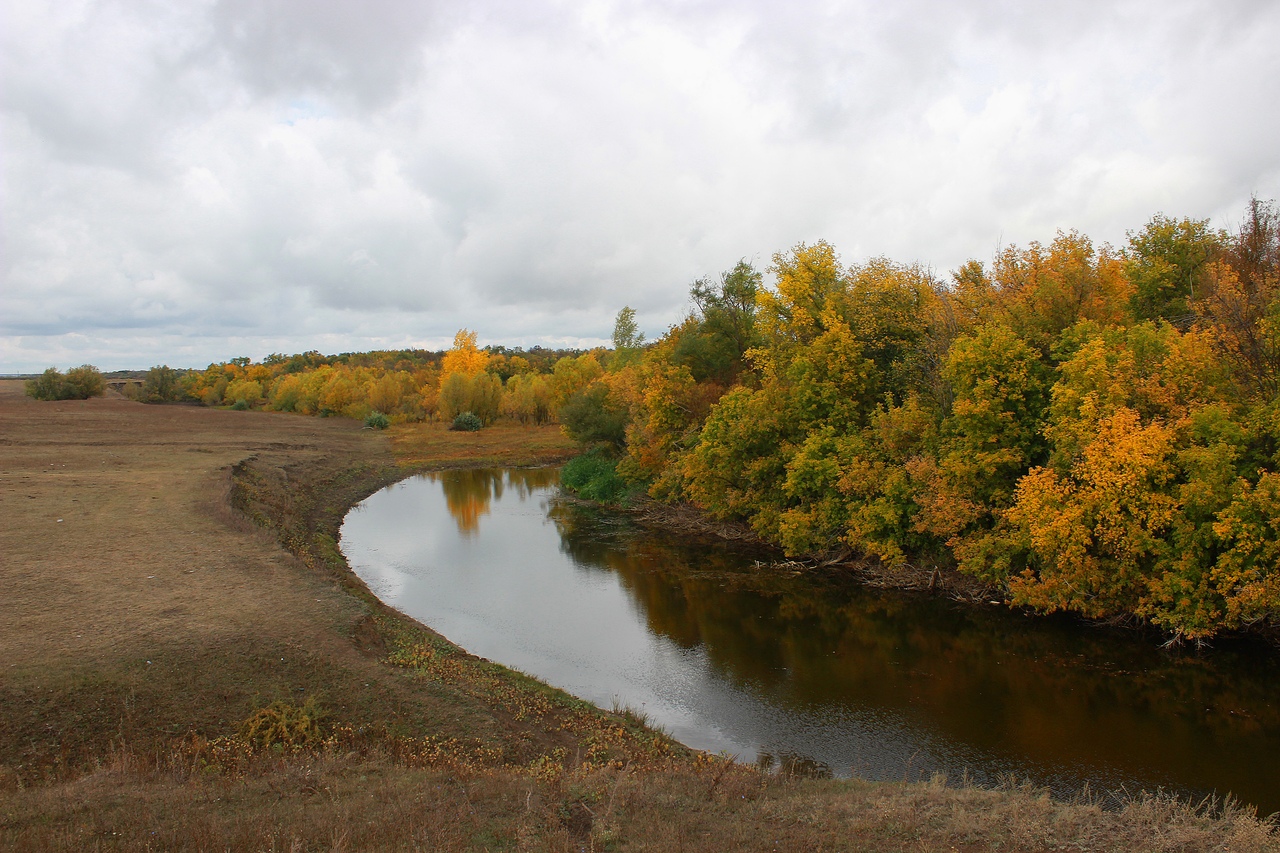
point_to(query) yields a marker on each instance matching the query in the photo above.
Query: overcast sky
(188, 182)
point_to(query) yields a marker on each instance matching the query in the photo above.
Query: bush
(594, 476)
(466, 422)
(241, 405)
(590, 417)
(161, 385)
(283, 726)
(79, 383)
(377, 420)
(481, 395)
(249, 390)
(84, 382)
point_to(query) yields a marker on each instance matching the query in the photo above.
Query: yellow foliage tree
(386, 393)
(1097, 535)
(464, 357)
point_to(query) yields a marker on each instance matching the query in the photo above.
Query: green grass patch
(594, 477)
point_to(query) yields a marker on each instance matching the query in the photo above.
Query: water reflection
(469, 492)
(1106, 703)
(814, 671)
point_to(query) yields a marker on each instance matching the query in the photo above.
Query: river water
(811, 671)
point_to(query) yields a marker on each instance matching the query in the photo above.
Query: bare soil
(168, 571)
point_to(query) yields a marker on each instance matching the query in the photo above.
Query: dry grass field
(169, 573)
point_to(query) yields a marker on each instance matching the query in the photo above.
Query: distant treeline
(401, 385)
(1091, 429)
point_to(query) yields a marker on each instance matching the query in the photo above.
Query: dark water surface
(812, 670)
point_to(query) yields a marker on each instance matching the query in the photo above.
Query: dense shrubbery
(594, 476)
(1092, 430)
(466, 422)
(162, 384)
(79, 383)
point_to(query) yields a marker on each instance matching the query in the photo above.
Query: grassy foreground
(168, 574)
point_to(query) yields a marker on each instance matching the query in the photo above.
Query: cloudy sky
(187, 182)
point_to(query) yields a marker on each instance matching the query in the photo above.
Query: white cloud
(188, 182)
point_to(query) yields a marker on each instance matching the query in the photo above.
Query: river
(812, 671)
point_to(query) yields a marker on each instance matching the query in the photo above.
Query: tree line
(1090, 429)
(487, 384)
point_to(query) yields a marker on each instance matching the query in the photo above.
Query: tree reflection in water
(795, 668)
(1067, 693)
(469, 492)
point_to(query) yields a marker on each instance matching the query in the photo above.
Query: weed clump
(377, 420)
(466, 422)
(285, 727)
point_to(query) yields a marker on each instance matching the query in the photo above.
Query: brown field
(166, 572)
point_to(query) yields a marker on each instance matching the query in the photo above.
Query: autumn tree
(464, 357)
(246, 392)
(1042, 291)
(1096, 535)
(713, 342)
(464, 384)
(79, 383)
(527, 398)
(1165, 261)
(627, 339)
(809, 279)
(1242, 298)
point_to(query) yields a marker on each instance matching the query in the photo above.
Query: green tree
(738, 467)
(1165, 261)
(49, 385)
(714, 346)
(991, 437)
(162, 385)
(589, 417)
(79, 383)
(628, 340)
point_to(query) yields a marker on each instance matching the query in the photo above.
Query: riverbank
(168, 572)
(683, 519)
